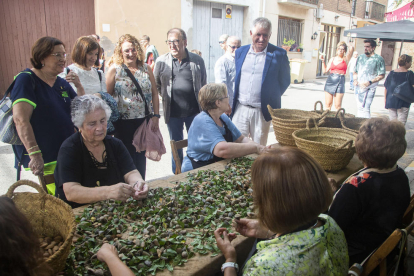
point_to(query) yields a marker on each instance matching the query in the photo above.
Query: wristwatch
(157, 115)
(370, 82)
(225, 265)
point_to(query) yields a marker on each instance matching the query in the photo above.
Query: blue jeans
(364, 101)
(351, 80)
(175, 128)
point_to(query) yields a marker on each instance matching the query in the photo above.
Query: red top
(339, 68)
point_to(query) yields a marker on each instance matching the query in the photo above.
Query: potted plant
(300, 48)
(287, 44)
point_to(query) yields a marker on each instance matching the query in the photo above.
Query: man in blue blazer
(262, 76)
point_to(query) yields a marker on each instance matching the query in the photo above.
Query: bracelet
(229, 264)
(157, 115)
(32, 147)
(35, 152)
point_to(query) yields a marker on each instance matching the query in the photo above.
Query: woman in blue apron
(213, 136)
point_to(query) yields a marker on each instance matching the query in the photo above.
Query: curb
(410, 167)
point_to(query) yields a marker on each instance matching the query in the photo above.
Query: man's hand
(364, 85)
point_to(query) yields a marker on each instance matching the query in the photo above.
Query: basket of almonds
(52, 220)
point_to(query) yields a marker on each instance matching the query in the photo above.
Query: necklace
(100, 165)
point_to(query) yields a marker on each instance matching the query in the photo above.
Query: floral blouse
(130, 103)
(318, 251)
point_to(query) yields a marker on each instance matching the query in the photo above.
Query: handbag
(404, 91)
(8, 132)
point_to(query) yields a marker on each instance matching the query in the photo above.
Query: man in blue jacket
(262, 76)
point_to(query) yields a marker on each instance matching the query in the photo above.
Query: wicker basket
(286, 121)
(49, 216)
(328, 112)
(333, 122)
(332, 147)
(352, 124)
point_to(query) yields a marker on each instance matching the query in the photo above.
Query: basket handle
(314, 107)
(338, 112)
(314, 123)
(349, 143)
(32, 184)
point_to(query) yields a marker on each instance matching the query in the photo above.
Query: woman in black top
(398, 109)
(92, 166)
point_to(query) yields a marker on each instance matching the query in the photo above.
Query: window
(216, 13)
(290, 29)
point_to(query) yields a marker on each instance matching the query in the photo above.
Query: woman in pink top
(335, 84)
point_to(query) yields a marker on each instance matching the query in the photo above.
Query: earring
(43, 64)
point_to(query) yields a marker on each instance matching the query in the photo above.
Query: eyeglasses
(170, 42)
(223, 98)
(234, 47)
(221, 42)
(59, 55)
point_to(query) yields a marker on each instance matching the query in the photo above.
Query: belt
(248, 105)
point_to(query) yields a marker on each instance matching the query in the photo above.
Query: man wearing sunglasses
(179, 76)
(262, 76)
(225, 68)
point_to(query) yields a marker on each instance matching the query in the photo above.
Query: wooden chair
(379, 256)
(46, 179)
(175, 146)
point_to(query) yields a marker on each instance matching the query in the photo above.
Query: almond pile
(50, 245)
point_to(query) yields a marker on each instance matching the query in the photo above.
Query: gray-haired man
(225, 68)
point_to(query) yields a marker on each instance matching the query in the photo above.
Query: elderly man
(368, 71)
(225, 68)
(262, 76)
(151, 53)
(179, 75)
(223, 40)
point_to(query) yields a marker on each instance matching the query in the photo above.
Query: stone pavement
(298, 96)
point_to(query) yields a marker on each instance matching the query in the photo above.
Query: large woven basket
(328, 112)
(333, 122)
(352, 124)
(49, 216)
(333, 148)
(286, 121)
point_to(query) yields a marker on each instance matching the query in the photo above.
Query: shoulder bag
(405, 91)
(8, 132)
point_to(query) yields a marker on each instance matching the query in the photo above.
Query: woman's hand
(121, 191)
(36, 164)
(251, 228)
(262, 149)
(73, 78)
(224, 244)
(107, 251)
(155, 123)
(140, 190)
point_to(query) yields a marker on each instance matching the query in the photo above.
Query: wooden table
(201, 265)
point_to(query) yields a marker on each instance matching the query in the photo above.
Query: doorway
(387, 52)
(328, 47)
(209, 24)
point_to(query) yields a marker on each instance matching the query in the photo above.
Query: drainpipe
(264, 6)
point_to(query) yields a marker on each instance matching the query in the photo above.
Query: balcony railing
(307, 4)
(374, 10)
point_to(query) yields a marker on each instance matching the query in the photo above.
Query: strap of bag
(99, 74)
(19, 166)
(138, 88)
(8, 91)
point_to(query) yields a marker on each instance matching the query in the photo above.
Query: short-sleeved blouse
(318, 251)
(88, 78)
(50, 120)
(130, 103)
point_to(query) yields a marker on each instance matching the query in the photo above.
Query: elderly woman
(398, 109)
(92, 166)
(41, 108)
(335, 84)
(128, 57)
(290, 191)
(212, 136)
(371, 203)
(85, 53)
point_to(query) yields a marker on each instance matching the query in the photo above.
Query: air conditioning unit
(319, 12)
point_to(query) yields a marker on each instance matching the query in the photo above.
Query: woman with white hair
(92, 166)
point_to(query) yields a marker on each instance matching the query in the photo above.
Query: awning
(391, 31)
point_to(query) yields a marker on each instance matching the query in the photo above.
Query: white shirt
(251, 78)
(225, 72)
(88, 79)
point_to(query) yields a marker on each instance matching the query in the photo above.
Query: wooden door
(22, 22)
(209, 24)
